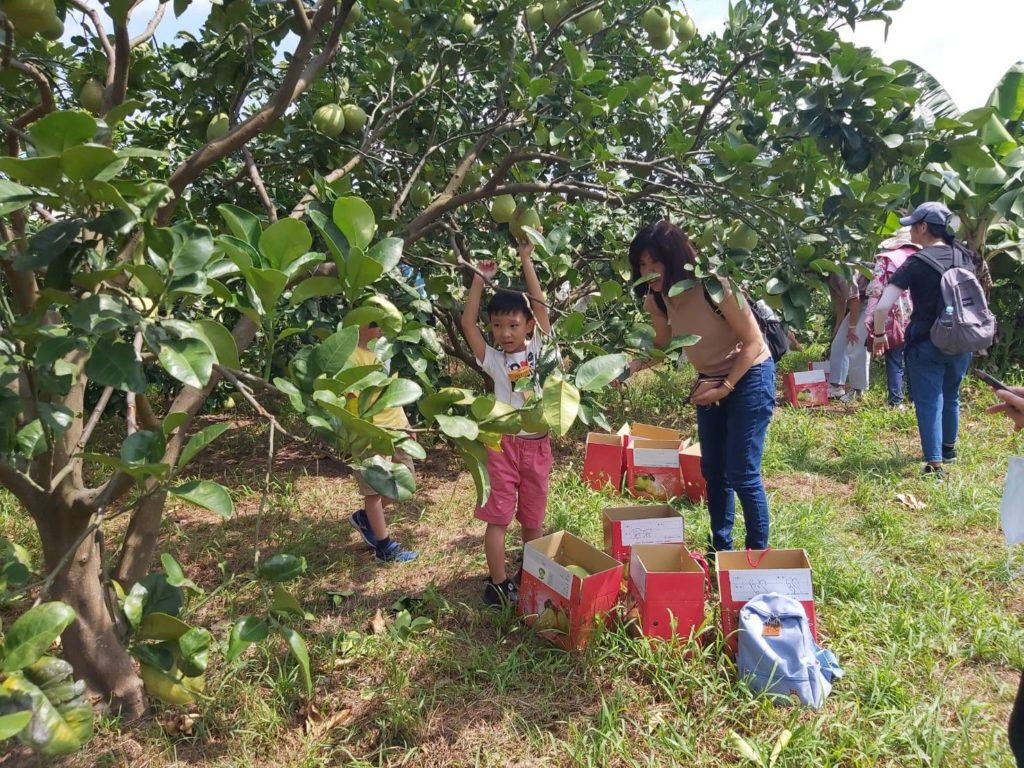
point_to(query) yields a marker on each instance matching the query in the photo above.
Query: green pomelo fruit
(329, 120)
(578, 570)
(685, 27)
(535, 17)
(420, 195)
(661, 42)
(523, 217)
(656, 21)
(502, 208)
(354, 17)
(552, 10)
(742, 236)
(465, 24)
(91, 96)
(591, 23)
(355, 118)
(217, 127)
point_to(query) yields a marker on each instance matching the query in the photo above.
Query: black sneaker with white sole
(500, 595)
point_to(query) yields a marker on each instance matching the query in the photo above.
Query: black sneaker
(948, 453)
(933, 471)
(499, 595)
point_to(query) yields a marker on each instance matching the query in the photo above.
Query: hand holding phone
(989, 379)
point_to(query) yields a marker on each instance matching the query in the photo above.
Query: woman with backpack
(893, 253)
(949, 321)
(735, 389)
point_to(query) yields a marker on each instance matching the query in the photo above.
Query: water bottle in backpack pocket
(777, 653)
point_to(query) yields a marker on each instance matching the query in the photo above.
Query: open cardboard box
(668, 590)
(604, 460)
(653, 461)
(645, 524)
(742, 575)
(693, 476)
(819, 365)
(558, 604)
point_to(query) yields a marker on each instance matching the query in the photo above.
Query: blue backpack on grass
(777, 653)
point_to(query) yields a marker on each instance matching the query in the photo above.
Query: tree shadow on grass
(849, 468)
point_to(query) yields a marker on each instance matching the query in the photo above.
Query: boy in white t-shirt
(520, 470)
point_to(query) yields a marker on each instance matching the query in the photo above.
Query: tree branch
(257, 182)
(101, 34)
(150, 30)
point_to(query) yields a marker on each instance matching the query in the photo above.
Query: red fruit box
(646, 524)
(604, 460)
(745, 574)
(668, 590)
(693, 477)
(805, 389)
(653, 461)
(558, 604)
(819, 365)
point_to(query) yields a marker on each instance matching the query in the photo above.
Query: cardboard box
(745, 574)
(653, 465)
(668, 590)
(819, 365)
(604, 461)
(806, 389)
(693, 476)
(559, 605)
(646, 524)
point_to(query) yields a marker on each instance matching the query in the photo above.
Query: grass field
(922, 608)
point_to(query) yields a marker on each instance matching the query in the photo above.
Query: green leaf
(113, 364)
(458, 426)
(34, 632)
(59, 131)
(388, 252)
(11, 723)
(48, 243)
(31, 439)
(333, 353)
(193, 248)
(284, 241)
(355, 220)
(249, 630)
(14, 197)
(100, 314)
(120, 112)
(37, 171)
(560, 402)
(61, 715)
(478, 470)
(85, 161)
(1008, 96)
(143, 447)
(599, 372)
(162, 626)
(298, 648)
(195, 648)
(683, 285)
(391, 480)
(208, 495)
(267, 285)
(221, 342)
(175, 574)
(172, 421)
(200, 440)
(398, 393)
(190, 361)
(361, 272)
(281, 567)
(243, 224)
(315, 287)
(283, 601)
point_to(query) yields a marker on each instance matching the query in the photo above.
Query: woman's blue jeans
(894, 374)
(732, 438)
(935, 381)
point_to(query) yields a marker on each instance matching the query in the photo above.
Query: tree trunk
(92, 644)
(141, 539)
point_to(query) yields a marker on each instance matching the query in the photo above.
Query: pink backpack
(896, 323)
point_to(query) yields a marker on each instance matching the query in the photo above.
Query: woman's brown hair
(666, 244)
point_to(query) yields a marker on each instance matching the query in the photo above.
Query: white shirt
(508, 368)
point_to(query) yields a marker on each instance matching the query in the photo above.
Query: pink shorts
(519, 482)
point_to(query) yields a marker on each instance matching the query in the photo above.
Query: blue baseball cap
(933, 213)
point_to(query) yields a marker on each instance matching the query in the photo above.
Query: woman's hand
(879, 345)
(709, 393)
(634, 366)
(1012, 405)
(851, 334)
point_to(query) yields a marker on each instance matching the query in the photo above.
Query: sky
(966, 50)
(967, 45)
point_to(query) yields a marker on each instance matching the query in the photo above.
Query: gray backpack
(964, 322)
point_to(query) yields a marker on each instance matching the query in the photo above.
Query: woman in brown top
(735, 390)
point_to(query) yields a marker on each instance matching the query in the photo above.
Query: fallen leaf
(378, 623)
(910, 500)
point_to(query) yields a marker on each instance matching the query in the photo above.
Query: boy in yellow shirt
(369, 520)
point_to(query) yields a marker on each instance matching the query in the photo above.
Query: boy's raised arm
(471, 312)
(538, 304)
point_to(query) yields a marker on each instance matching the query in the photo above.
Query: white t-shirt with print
(506, 369)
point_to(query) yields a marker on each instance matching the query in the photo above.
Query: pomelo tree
(245, 194)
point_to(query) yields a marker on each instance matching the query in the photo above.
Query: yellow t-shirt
(390, 418)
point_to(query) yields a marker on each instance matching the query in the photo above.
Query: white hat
(897, 239)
